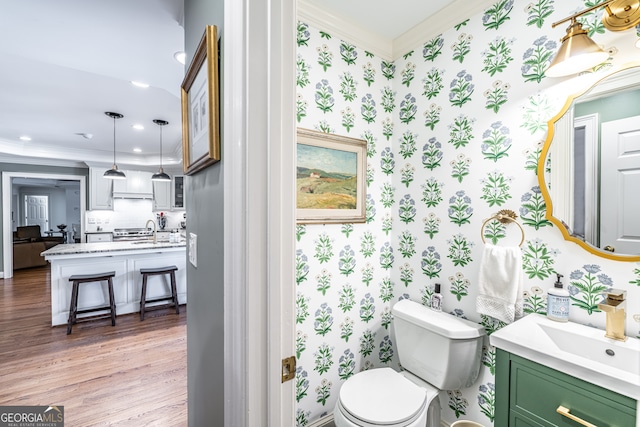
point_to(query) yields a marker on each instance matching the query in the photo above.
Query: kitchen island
(126, 259)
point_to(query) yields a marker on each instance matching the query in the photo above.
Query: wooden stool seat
(78, 279)
(173, 298)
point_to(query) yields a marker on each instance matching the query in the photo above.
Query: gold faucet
(614, 304)
(155, 233)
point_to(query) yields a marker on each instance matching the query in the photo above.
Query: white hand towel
(501, 283)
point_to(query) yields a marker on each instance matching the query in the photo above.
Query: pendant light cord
(114, 140)
(160, 148)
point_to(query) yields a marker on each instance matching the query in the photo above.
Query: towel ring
(504, 216)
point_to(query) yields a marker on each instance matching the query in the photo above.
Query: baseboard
(327, 421)
(1, 274)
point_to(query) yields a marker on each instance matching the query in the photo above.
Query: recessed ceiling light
(138, 127)
(137, 150)
(25, 138)
(181, 57)
(139, 84)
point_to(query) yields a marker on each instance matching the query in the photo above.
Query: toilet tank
(442, 349)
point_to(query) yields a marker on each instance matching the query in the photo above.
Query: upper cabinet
(138, 185)
(162, 195)
(177, 192)
(168, 195)
(100, 190)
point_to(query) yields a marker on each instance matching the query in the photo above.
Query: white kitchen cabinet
(163, 236)
(177, 192)
(168, 195)
(162, 195)
(100, 190)
(137, 185)
(99, 237)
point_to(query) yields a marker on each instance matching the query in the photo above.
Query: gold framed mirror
(589, 166)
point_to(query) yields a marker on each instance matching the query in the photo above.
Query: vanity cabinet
(100, 190)
(528, 395)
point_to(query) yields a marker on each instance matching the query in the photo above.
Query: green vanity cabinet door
(518, 420)
(528, 394)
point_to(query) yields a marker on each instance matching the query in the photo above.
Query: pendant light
(114, 173)
(160, 175)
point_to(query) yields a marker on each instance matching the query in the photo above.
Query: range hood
(138, 185)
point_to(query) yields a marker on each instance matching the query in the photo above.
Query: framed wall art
(330, 180)
(200, 106)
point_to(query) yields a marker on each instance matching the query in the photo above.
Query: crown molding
(390, 50)
(40, 161)
(345, 29)
(441, 21)
(38, 154)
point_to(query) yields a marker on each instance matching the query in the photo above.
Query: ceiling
(389, 19)
(67, 62)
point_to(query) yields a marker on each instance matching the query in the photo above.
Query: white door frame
(259, 208)
(7, 233)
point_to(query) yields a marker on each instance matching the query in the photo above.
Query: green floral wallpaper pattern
(454, 130)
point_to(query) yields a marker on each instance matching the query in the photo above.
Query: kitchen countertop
(101, 247)
(98, 232)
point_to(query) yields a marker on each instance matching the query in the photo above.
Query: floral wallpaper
(454, 131)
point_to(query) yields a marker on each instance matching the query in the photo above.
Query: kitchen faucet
(155, 233)
(614, 304)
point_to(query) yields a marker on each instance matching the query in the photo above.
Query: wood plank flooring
(133, 374)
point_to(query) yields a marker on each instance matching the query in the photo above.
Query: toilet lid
(382, 397)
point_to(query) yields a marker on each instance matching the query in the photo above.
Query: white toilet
(437, 351)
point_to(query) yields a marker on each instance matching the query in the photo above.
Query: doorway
(10, 218)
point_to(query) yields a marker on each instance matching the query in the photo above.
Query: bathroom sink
(578, 350)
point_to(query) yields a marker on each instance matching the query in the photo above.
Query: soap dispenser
(558, 302)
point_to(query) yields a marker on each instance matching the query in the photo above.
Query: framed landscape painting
(330, 180)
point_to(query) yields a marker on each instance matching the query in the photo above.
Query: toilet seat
(381, 397)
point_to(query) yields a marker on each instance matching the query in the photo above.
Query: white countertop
(102, 247)
(575, 349)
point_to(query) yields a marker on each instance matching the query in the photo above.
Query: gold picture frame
(330, 178)
(200, 106)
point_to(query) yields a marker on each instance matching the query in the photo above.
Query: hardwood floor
(133, 374)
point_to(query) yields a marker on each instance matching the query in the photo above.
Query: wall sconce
(114, 173)
(578, 52)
